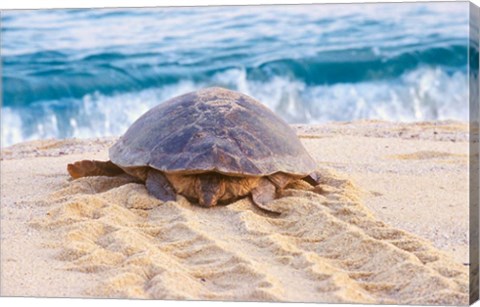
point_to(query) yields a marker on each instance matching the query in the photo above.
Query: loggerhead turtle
(211, 146)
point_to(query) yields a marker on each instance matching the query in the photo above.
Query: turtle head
(210, 188)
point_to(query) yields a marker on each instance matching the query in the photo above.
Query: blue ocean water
(86, 73)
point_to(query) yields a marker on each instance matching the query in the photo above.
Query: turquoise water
(86, 73)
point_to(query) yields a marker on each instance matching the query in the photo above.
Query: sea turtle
(211, 146)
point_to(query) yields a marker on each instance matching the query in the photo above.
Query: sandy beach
(387, 224)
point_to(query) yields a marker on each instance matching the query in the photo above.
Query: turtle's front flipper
(263, 194)
(159, 186)
(86, 168)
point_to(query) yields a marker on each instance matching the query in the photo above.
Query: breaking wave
(87, 73)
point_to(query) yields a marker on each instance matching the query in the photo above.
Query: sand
(387, 224)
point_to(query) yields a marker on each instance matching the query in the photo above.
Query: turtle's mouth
(222, 202)
(207, 201)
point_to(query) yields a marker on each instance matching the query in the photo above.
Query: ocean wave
(85, 73)
(54, 76)
(425, 93)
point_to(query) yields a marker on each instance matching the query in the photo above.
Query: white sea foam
(422, 94)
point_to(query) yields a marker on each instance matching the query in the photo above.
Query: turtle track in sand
(324, 246)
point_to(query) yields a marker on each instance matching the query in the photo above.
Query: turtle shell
(213, 129)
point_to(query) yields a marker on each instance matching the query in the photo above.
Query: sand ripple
(323, 246)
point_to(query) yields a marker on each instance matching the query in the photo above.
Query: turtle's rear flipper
(314, 178)
(264, 194)
(86, 168)
(159, 186)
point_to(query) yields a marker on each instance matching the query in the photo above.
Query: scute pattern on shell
(213, 129)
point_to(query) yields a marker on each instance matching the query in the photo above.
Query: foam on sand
(323, 246)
